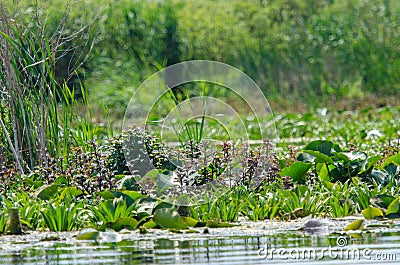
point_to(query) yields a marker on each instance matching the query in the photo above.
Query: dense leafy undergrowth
(357, 170)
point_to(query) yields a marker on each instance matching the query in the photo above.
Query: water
(251, 244)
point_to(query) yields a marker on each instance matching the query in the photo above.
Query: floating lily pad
(150, 224)
(88, 234)
(372, 213)
(169, 218)
(356, 225)
(217, 224)
(189, 221)
(124, 223)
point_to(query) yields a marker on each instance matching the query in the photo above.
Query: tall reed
(37, 111)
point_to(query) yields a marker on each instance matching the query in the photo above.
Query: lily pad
(169, 218)
(88, 234)
(393, 207)
(217, 224)
(372, 213)
(150, 224)
(189, 221)
(123, 223)
(356, 225)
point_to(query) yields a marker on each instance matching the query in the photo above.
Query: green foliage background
(296, 50)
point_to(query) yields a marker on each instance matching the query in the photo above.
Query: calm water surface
(242, 245)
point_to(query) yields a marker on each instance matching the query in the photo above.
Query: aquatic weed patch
(320, 178)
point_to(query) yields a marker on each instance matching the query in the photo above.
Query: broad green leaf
(393, 207)
(70, 192)
(382, 200)
(372, 213)
(106, 194)
(297, 171)
(342, 156)
(124, 223)
(355, 156)
(395, 159)
(217, 224)
(47, 191)
(61, 181)
(127, 183)
(189, 221)
(323, 146)
(150, 224)
(323, 174)
(35, 183)
(304, 157)
(356, 225)
(329, 185)
(88, 234)
(371, 161)
(319, 156)
(134, 195)
(169, 218)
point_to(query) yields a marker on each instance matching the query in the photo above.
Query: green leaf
(128, 183)
(106, 194)
(372, 213)
(323, 174)
(169, 218)
(88, 234)
(124, 223)
(61, 181)
(382, 200)
(70, 192)
(216, 224)
(342, 156)
(304, 157)
(329, 185)
(189, 221)
(319, 157)
(393, 207)
(395, 159)
(150, 224)
(356, 225)
(47, 191)
(323, 146)
(354, 156)
(371, 161)
(134, 195)
(297, 171)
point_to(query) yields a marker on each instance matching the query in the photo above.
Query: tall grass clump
(37, 108)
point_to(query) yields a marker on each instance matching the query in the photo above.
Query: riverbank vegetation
(69, 69)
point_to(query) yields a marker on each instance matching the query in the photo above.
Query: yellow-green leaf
(88, 234)
(372, 213)
(393, 207)
(189, 221)
(356, 225)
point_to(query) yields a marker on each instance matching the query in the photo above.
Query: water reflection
(206, 249)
